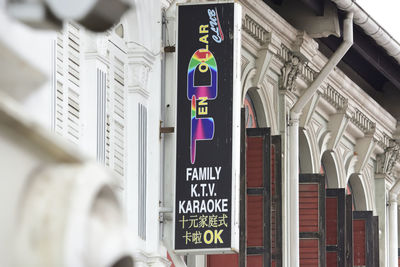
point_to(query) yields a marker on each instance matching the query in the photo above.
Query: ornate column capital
(289, 73)
(387, 160)
(140, 64)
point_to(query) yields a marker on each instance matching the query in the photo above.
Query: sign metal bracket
(166, 130)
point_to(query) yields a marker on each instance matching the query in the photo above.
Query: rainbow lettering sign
(201, 128)
(207, 130)
(203, 60)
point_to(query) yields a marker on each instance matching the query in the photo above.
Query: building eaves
(371, 27)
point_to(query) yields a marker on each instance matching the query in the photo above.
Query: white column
(381, 209)
(293, 190)
(393, 243)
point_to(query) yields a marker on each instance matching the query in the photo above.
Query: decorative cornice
(265, 22)
(335, 98)
(262, 36)
(140, 63)
(141, 258)
(157, 259)
(383, 142)
(138, 53)
(138, 90)
(255, 30)
(363, 122)
(97, 56)
(304, 46)
(305, 71)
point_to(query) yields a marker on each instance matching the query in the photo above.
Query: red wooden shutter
(363, 238)
(261, 225)
(231, 260)
(335, 227)
(312, 220)
(243, 193)
(276, 202)
(375, 239)
(349, 231)
(258, 206)
(236, 260)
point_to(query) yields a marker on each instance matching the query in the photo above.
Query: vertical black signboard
(206, 128)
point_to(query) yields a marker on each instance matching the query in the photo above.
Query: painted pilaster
(286, 99)
(385, 166)
(139, 64)
(393, 240)
(94, 79)
(290, 214)
(380, 204)
(293, 190)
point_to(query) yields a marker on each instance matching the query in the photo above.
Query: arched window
(251, 116)
(348, 189)
(330, 169)
(322, 170)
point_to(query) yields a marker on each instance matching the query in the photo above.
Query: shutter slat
(312, 220)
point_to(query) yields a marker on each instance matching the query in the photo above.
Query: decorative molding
(255, 30)
(264, 57)
(335, 98)
(304, 46)
(384, 141)
(156, 260)
(140, 63)
(389, 181)
(262, 36)
(337, 125)
(140, 258)
(317, 128)
(289, 73)
(309, 110)
(97, 48)
(256, 14)
(363, 149)
(359, 119)
(387, 160)
(97, 56)
(243, 63)
(305, 71)
(166, 3)
(143, 259)
(363, 122)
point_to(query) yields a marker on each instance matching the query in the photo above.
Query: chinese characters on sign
(203, 221)
(205, 126)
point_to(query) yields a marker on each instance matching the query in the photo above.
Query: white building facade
(112, 96)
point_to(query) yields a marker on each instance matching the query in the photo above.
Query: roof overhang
(371, 27)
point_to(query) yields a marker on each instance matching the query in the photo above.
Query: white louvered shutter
(115, 116)
(67, 83)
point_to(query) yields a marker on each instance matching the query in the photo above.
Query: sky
(385, 13)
